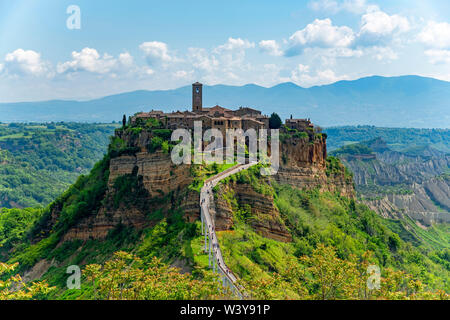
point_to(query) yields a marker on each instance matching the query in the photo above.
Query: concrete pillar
(201, 216)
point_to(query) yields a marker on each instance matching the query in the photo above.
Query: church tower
(197, 97)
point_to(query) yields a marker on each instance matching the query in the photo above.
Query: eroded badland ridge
(412, 183)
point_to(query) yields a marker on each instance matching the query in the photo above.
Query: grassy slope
(351, 228)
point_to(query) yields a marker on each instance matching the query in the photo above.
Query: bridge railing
(228, 278)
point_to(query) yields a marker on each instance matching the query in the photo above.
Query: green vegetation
(350, 229)
(275, 121)
(159, 137)
(375, 192)
(14, 288)
(334, 167)
(397, 138)
(127, 277)
(201, 172)
(39, 161)
(287, 133)
(334, 240)
(82, 199)
(352, 149)
(15, 223)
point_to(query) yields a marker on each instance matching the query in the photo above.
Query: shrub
(275, 121)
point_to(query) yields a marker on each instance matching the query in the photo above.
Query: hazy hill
(407, 101)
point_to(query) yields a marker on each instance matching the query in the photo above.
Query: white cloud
(26, 62)
(183, 74)
(343, 53)
(225, 63)
(235, 44)
(380, 53)
(377, 26)
(303, 76)
(325, 5)
(436, 35)
(322, 34)
(88, 59)
(271, 47)
(438, 56)
(156, 52)
(148, 71)
(334, 6)
(231, 55)
(302, 68)
(200, 59)
(126, 59)
(1, 67)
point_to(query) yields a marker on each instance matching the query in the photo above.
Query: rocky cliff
(259, 208)
(303, 164)
(395, 183)
(154, 182)
(427, 202)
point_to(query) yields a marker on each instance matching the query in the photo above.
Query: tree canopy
(275, 121)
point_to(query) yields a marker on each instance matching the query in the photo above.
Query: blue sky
(129, 45)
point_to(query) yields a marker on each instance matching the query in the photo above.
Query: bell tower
(197, 97)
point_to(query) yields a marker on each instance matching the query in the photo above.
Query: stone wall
(265, 217)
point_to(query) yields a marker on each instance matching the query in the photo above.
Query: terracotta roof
(247, 108)
(217, 107)
(252, 120)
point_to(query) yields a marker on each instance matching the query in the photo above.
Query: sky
(49, 51)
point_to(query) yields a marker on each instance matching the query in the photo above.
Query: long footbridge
(215, 258)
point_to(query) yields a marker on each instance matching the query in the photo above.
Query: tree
(126, 277)
(14, 288)
(275, 121)
(334, 278)
(124, 121)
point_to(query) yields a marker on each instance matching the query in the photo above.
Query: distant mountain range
(406, 101)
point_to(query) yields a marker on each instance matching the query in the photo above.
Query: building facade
(215, 117)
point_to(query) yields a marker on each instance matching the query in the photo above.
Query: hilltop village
(141, 148)
(216, 117)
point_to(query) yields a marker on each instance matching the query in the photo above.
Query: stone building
(299, 124)
(216, 117)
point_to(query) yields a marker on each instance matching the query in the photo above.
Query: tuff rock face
(303, 165)
(419, 205)
(425, 195)
(160, 177)
(265, 217)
